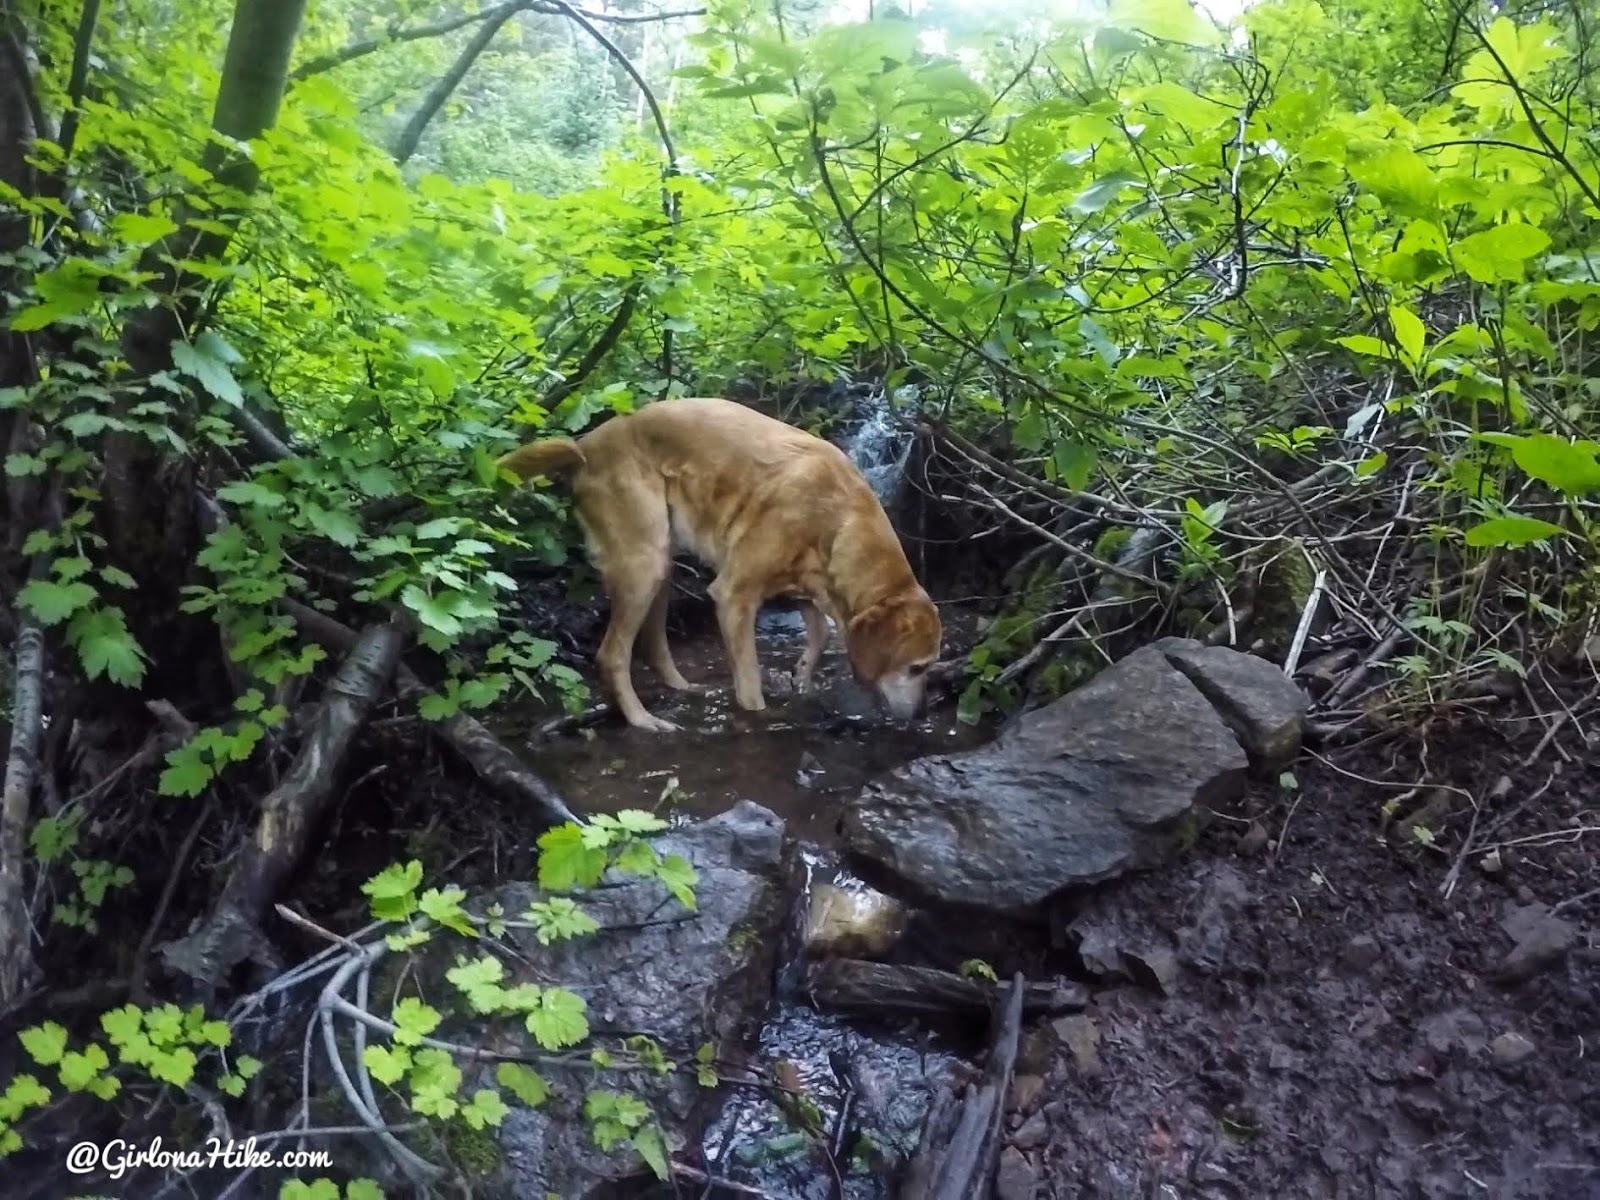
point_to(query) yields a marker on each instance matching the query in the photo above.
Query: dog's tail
(552, 456)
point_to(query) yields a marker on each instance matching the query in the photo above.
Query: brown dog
(774, 511)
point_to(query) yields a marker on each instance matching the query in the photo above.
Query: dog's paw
(653, 724)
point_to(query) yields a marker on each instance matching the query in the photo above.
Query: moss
(475, 1152)
(1111, 541)
(1284, 579)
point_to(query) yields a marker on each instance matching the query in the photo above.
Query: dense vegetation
(1206, 319)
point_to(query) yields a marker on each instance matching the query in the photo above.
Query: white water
(880, 445)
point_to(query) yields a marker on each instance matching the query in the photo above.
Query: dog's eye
(919, 669)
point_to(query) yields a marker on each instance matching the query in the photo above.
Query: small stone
(1253, 840)
(854, 922)
(1360, 952)
(1081, 1036)
(1015, 1179)
(1154, 968)
(1025, 1092)
(1491, 863)
(1035, 1131)
(1541, 941)
(1510, 1048)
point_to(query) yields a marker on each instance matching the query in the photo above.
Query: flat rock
(1262, 706)
(1095, 784)
(1015, 1178)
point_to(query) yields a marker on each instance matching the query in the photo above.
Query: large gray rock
(1090, 786)
(1264, 708)
(682, 978)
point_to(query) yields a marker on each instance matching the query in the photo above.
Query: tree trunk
(148, 518)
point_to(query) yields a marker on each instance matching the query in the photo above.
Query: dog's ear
(892, 632)
(870, 640)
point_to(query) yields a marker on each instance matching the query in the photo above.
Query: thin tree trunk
(27, 711)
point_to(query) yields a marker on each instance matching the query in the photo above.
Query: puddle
(802, 758)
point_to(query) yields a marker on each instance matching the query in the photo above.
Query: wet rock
(852, 921)
(1098, 783)
(1015, 1179)
(686, 978)
(1541, 940)
(1263, 707)
(1081, 1036)
(1510, 1048)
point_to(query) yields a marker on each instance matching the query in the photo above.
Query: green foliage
(420, 1065)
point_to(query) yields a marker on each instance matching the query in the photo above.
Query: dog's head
(892, 644)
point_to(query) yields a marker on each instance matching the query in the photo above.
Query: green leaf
(560, 1019)
(187, 773)
(249, 492)
(1401, 178)
(479, 980)
(78, 1071)
(51, 602)
(106, 647)
(653, 1150)
(387, 1066)
(335, 524)
(363, 1189)
(1569, 468)
(443, 907)
(566, 862)
(485, 1110)
(1168, 20)
(680, 877)
(1500, 255)
(1074, 462)
(392, 892)
(1512, 531)
(526, 1084)
(414, 1021)
(637, 821)
(431, 611)
(174, 1066)
(207, 361)
(45, 1043)
(1103, 191)
(1408, 333)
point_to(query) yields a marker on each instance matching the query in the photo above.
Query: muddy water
(802, 758)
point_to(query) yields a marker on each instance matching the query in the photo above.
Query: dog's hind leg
(630, 543)
(816, 642)
(657, 650)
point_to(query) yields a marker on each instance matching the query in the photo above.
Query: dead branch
(881, 989)
(468, 737)
(960, 1164)
(231, 934)
(17, 968)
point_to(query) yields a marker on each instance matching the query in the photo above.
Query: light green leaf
(526, 1084)
(1512, 531)
(45, 1043)
(1500, 255)
(52, 603)
(207, 361)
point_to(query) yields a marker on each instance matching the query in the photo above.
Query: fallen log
(960, 1146)
(860, 988)
(232, 933)
(465, 735)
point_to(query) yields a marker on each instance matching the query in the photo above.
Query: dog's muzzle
(902, 698)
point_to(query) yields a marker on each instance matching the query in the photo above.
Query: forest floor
(1333, 1023)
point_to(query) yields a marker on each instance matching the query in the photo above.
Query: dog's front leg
(736, 615)
(816, 642)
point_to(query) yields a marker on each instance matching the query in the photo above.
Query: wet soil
(1334, 1028)
(1331, 1025)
